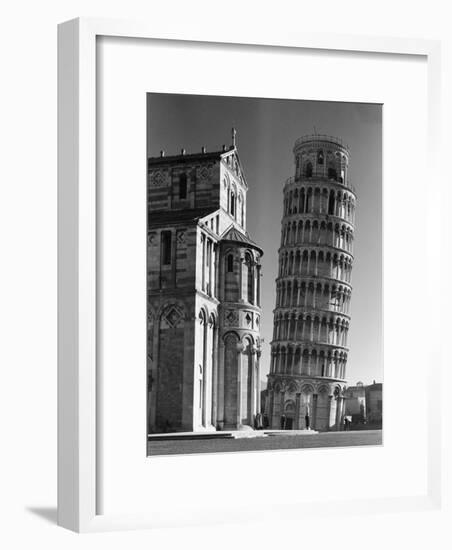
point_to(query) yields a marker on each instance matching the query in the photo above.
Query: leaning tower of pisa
(313, 290)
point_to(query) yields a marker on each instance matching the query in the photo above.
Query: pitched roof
(234, 235)
(189, 157)
(170, 217)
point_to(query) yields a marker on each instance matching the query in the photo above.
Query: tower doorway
(289, 413)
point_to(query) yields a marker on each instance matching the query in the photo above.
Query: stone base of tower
(305, 403)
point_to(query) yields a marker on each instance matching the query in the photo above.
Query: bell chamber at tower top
(320, 156)
(321, 184)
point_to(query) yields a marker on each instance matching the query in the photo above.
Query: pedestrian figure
(307, 418)
(283, 422)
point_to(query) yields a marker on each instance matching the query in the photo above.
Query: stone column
(239, 387)
(338, 412)
(203, 271)
(314, 410)
(271, 399)
(209, 374)
(330, 397)
(258, 381)
(210, 260)
(220, 385)
(214, 375)
(258, 299)
(205, 375)
(240, 279)
(281, 406)
(298, 411)
(215, 271)
(252, 397)
(221, 276)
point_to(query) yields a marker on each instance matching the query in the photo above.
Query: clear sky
(266, 132)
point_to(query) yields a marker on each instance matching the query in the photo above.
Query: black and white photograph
(264, 274)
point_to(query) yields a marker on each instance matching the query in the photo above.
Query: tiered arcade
(313, 290)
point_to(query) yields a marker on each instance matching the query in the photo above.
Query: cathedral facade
(203, 302)
(313, 290)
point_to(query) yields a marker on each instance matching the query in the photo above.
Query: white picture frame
(79, 467)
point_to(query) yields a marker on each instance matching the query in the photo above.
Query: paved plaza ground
(326, 439)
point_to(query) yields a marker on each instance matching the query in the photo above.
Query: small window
(166, 247)
(232, 204)
(309, 170)
(183, 186)
(230, 261)
(320, 157)
(332, 174)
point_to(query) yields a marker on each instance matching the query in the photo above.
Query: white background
(127, 69)
(28, 275)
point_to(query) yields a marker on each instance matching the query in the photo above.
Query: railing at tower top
(318, 177)
(320, 138)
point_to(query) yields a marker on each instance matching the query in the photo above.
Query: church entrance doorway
(289, 423)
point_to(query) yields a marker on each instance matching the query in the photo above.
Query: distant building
(364, 404)
(203, 308)
(374, 403)
(355, 402)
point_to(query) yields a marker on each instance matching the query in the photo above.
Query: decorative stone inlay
(181, 237)
(173, 317)
(231, 318)
(204, 173)
(157, 178)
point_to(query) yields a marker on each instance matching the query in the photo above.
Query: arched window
(166, 247)
(232, 204)
(250, 279)
(301, 209)
(230, 262)
(331, 202)
(332, 174)
(309, 170)
(183, 186)
(320, 157)
(242, 210)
